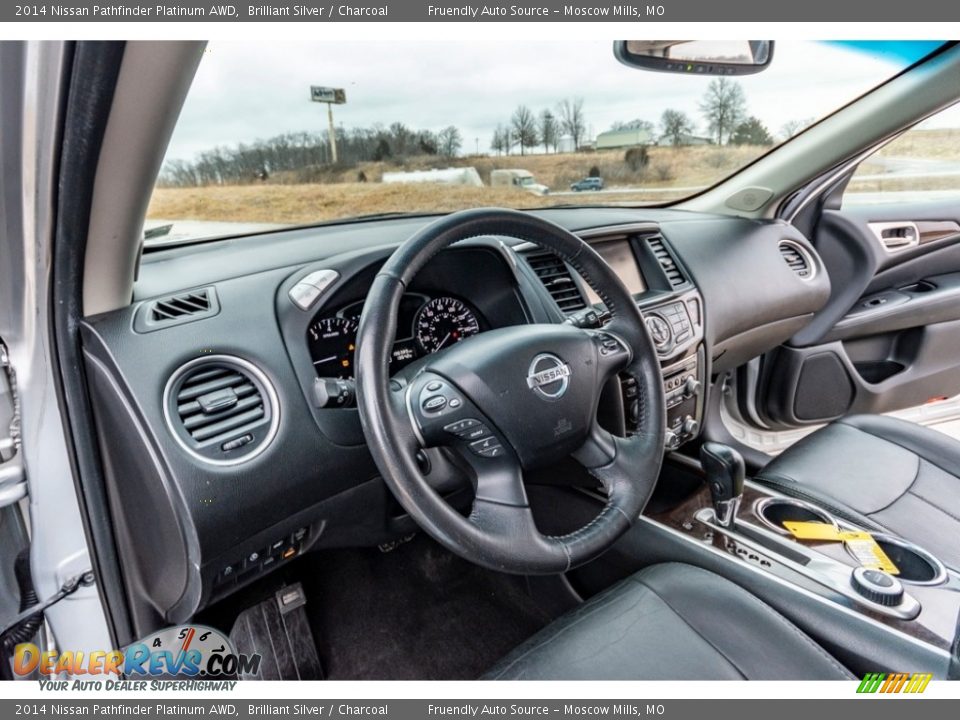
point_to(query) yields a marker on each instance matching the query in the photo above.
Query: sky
(245, 92)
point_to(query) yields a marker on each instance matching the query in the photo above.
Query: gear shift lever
(725, 470)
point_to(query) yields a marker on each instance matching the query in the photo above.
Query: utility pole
(333, 134)
(330, 96)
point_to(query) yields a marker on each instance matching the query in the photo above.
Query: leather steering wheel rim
(500, 533)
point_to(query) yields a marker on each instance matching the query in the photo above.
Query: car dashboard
(229, 378)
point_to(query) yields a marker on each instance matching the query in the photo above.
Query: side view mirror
(696, 57)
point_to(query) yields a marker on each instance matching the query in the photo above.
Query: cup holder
(774, 511)
(916, 565)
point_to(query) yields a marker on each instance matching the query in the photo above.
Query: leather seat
(883, 474)
(671, 622)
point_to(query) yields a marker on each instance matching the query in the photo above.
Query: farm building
(630, 137)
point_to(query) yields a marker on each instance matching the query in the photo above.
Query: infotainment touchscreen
(619, 256)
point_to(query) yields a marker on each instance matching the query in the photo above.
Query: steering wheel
(511, 400)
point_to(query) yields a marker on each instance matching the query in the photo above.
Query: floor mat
(416, 613)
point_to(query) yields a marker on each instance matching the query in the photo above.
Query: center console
(672, 308)
(677, 332)
(737, 528)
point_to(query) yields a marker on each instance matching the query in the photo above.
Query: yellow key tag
(868, 553)
(812, 530)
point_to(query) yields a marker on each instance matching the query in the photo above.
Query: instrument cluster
(425, 325)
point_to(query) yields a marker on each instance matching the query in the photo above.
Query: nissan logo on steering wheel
(548, 376)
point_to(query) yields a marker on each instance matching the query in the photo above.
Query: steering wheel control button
(434, 386)
(475, 433)
(454, 403)
(493, 451)
(609, 345)
(459, 426)
(877, 586)
(434, 403)
(484, 446)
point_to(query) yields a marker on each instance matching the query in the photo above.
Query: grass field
(324, 193)
(941, 144)
(335, 193)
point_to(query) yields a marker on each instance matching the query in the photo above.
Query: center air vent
(221, 409)
(797, 259)
(674, 275)
(555, 276)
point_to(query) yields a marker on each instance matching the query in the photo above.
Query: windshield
(275, 135)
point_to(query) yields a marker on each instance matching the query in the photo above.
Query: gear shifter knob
(724, 468)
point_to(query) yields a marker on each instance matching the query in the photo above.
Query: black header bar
(527, 11)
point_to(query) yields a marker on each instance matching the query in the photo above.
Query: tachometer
(442, 322)
(332, 342)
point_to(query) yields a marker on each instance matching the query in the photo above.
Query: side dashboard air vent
(177, 306)
(674, 274)
(221, 409)
(557, 279)
(176, 309)
(797, 259)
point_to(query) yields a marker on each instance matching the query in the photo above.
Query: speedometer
(442, 322)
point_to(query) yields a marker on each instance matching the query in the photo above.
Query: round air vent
(221, 409)
(798, 259)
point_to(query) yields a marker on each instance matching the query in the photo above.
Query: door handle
(895, 236)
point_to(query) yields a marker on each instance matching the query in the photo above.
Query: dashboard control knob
(660, 331)
(690, 426)
(691, 387)
(671, 440)
(877, 586)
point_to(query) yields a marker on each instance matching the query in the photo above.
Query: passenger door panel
(889, 337)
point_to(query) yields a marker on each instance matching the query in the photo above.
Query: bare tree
(548, 131)
(571, 119)
(429, 142)
(449, 141)
(636, 124)
(500, 142)
(401, 138)
(724, 106)
(299, 155)
(793, 127)
(674, 125)
(524, 126)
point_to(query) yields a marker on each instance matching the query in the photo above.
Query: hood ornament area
(548, 376)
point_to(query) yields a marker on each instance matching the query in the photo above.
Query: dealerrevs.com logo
(894, 683)
(185, 652)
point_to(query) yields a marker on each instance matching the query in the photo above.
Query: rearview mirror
(696, 57)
